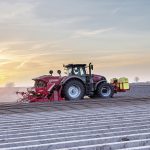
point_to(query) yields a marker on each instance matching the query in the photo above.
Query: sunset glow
(39, 35)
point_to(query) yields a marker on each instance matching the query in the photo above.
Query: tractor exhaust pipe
(90, 77)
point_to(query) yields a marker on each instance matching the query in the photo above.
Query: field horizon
(8, 94)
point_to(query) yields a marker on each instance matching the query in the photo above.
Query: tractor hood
(97, 78)
(48, 78)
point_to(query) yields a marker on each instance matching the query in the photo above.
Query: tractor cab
(81, 71)
(76, 69)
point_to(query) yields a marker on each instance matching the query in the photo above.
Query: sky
(39, 35)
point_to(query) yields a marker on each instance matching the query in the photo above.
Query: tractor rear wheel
(73, 90)
(105, 90)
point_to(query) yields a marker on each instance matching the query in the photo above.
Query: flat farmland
(122, 123)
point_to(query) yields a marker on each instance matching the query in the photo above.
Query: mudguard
(65, 79)
(99, 82)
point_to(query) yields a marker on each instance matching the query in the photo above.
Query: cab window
(82, 71)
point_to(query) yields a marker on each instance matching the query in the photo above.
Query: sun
(4, 57)
(3, 79)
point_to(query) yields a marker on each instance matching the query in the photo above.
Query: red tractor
(77, 84)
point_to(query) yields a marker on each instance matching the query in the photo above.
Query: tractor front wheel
(73, 90)
(105, 90)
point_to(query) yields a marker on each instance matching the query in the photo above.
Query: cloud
(90, 33)
(2, 61)
(40, 34)
(116, 11)
(22, 64)
(18, 9)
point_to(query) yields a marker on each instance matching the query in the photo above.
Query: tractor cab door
(77, 71)
(81, 72)
(88, 79)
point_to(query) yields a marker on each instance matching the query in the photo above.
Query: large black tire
(73, 90)
(105, 90)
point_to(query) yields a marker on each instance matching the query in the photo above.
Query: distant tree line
(136, 79)
(10, 84)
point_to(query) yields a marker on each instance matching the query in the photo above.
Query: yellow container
(124, 83)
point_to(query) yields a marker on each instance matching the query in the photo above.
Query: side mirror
(51, 72)
(59, 72)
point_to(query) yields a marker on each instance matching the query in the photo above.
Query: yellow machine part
(121, 83)
(124, 83)
(113, 80)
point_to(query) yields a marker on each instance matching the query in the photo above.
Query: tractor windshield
(39, 84)
(78, 71)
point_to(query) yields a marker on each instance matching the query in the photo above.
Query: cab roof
(75, 65)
